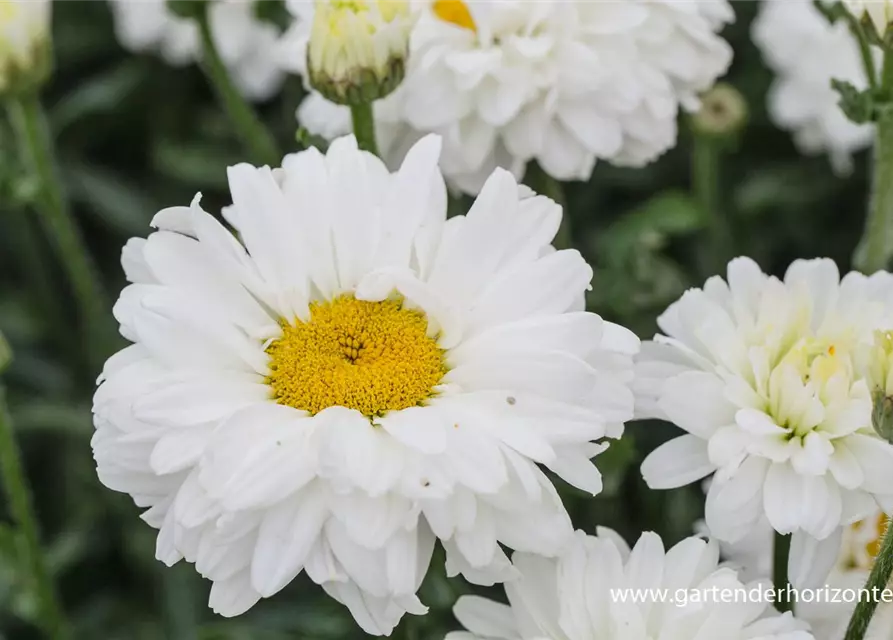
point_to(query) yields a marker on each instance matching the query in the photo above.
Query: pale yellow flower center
(374, 357)
(455, 12)
(864, 543)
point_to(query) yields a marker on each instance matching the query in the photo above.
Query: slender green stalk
(858, 30)
(781, 552)
(255, 136)
(878, 580)
(364, 126)
(36, 148)
(546, 185)
(876, 247)
(180, 619)
(52, 618)
(706, 157)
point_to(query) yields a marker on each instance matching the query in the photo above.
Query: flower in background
(806, 52)
(562, 83)
(827, 618)
(764, 376)
(360, 378)
(25, 44)
(577, 596)
(357, 50)
(879, 12)
(246, 43)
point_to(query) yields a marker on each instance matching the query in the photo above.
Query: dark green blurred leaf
(100, 95)
(119, 204)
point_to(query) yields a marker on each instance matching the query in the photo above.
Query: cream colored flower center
(862, 543)
(455, 12)
(374, 357)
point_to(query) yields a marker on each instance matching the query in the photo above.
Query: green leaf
(858, 105)
(119, 204)
(201, 166)
(103, 93)
(648, 227)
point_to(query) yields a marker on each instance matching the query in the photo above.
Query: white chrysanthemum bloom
(356, 378)
(562, 83)
(357, 49)
(246, 44)
(579, 596)
(761, 373)
(880, 12)
(827, 612)
(24, 43)
(806, 52)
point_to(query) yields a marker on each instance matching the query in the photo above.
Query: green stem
(781, 552)
(364, 126)
(546, 185)
(52, 618)
(858, 30)
(876, 247)
(878, 580)
(256, 138)
(36, 147)
(705, 185)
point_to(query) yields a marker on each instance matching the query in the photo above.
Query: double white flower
(764, 376)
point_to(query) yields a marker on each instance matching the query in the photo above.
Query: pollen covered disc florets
(374, 357)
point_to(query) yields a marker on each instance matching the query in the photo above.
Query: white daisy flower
(806, 52)
(827, 615)
(246, 44)
(355, 379)
(762, 375)
(579, 596)
(562, 83)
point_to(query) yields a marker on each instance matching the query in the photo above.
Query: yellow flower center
(862, 543)
(455, 12)
(374, 357)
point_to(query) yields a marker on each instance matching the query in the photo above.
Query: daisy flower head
(246, 43)
(764, 376)
(580, 595)
(859, 544)
(561, 82)
(806, 52)
(354, 378)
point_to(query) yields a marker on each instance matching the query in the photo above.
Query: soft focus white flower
(247, 44)
(578, 597)
(562, 83)
(762, 375)
(24, 43)
(880, 12)
(357, 50)
(358, 379)
(806, 52)
(827, 616)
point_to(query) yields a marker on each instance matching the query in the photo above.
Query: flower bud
(358, 48)
(879, 374)
(878, 12)
(25, 47)
(723, 112)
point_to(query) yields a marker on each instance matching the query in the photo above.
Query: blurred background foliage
(135, 135)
